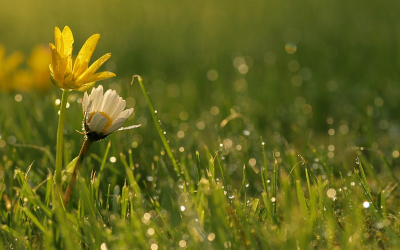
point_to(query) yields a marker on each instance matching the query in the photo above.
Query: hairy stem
(81, 156)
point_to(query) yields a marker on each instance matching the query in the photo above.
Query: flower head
(104, 114)
(79, 76)
(9, 67)
(38, 63)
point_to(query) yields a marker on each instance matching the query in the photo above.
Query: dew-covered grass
(264, 126)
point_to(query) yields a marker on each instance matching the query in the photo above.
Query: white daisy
(104, 114)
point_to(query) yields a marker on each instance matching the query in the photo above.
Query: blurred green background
(288, 67)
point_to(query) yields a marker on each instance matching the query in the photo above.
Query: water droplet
(379, 225)
(211, 237)
(18, 97)
(230, 194)
(155, 111)
(103, 246)
(331, 193)
(358, 161)
(179, 186)
(227, 244)
(182, 243)
(150, 231)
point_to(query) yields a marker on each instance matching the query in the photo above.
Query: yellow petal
(86, 86)
(85, 54)
(54, 55)
(69, 66)
(94, 67)
(55, 82)
(58, 39)
(70, 83)
(68, 40)
(57, 64)
(100, 76)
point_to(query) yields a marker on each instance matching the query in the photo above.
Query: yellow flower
(38, 63)
(8, 68)
(80, 76)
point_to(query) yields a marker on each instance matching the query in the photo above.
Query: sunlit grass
(262, 128)
(233, 189)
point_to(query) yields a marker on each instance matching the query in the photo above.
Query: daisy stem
(85, 147)
(60, 143)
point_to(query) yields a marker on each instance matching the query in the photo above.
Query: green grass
(247, 161)
(267, 195)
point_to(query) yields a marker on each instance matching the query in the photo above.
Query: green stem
(60, 143)
(82, 153)
(158, 126)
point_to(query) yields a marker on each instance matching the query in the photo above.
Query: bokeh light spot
(290, 48)
(212, 75)
(331, 193)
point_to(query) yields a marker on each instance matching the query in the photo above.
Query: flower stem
(60, 143)
(82, 153)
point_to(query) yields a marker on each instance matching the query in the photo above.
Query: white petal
(118, 109)
(130, 127)
(111, 104)
(97, 98)
(115, 126)
(87, 113)
(126, 113)
(92, 94)
(97, 123)
(105, 99)
(85, 102)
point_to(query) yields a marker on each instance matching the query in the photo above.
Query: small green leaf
(71, 166)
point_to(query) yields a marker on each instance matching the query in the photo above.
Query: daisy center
(108, 122)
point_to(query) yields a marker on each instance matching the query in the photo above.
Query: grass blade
(157, 124)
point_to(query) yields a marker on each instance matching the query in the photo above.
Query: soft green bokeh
(201, 60)
(196, 56)
(347, 52)
(275, 86)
